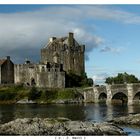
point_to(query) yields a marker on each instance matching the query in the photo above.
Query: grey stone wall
(51, 79)
(24, 73)
(92, 94)
(39, 75)
(69, 53)
(88, 94)
(7, 72)
(0, 74)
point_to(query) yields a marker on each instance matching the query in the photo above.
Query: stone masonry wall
(69, 53)
(7, 72)
(26, 74)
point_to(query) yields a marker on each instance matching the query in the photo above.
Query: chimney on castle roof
(8, 57)
(52, 39)
(71, 39)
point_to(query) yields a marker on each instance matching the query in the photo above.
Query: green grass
(51, 95)
(12, 94)
(66, 94)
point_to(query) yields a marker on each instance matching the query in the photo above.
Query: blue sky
(111, 34)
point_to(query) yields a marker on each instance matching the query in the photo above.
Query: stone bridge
(129, 93)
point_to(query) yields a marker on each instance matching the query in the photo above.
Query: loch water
(83, 112)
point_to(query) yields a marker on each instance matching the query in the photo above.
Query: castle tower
(66, 51)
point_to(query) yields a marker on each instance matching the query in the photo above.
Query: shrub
(7, 96)
(34, 94)
(49, 95)
(65, 94)
(74, 80)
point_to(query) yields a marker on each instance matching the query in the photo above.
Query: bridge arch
(120, 97)
(102, 97)
(136, 98)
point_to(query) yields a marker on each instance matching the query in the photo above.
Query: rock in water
(128, 120)
(59, 126)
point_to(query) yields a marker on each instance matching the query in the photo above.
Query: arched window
(55, 57)
(33, 82)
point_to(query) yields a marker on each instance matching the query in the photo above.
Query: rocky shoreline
(64, 101)
(59, 126)
(132, 119)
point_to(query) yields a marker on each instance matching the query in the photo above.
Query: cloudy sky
(111, 34)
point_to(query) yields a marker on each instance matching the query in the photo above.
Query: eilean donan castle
(58, 57)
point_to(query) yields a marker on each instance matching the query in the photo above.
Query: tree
(74, 80)
(122, 78)
(90, 82)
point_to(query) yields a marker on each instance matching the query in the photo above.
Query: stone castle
(58, 57)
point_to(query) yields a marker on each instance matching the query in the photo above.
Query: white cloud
(110, 13)
(31, 30)
(23, 31)
(112, 49)
(100, 78)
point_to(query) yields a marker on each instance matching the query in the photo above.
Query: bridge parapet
(92, 94)
(118, 86)
(101, 89)
(88, 88)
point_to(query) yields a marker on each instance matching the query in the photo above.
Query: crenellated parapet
(42, 75)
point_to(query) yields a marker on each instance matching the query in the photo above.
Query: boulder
(127, 120)
(59, 126)
(25, 101)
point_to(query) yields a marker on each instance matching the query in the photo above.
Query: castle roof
(2, 61)
(62, 40)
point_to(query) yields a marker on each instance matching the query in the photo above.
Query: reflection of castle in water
(90, 112)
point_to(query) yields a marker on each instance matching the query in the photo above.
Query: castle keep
(66, 51)
(58, 57)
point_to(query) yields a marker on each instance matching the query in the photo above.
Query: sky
(111, 34)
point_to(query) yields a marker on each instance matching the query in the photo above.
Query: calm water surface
(84, 112)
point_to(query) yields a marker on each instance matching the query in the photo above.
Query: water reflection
(7, 113)
(90, 112)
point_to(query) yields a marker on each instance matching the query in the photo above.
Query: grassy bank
(12, 94)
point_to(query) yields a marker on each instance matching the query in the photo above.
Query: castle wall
(51, 79)
(42, 77)
(7, 72)
(0, 74)
(24, 73)
(77, 60)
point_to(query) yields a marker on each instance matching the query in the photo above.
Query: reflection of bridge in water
(124, 93)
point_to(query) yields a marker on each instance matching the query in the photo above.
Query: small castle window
(43, 69)
(27, 84)
(61, 67)
(48, 65)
